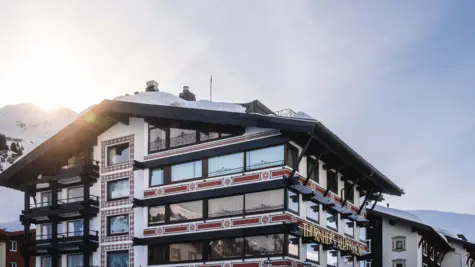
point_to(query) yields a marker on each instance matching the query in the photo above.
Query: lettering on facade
(323, 236)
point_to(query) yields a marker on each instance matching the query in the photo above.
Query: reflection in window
(267, 200)
(46, 199)
(225, 206)
(292, 201)
(75, 194)
(265, 157)
(313, 252)
(181, 137)
(156, 215)
(118, 258)
(312, 211)
(225, 248)
(186, 252)
(348, 227)
(311, 172)
(186, 171)
(264, 245)
(293, 246)
(75, 228)
(332, 258)
(205, 136)
(332, 219)
(46, 231)
(186, 211)
(45, 261)
(363, 233)
(156, 177)
(118, 189)
(332, 182)
(118, 154)
(76, 260)
(118, 224)
(157, 139)
(226, 164)
(157, 254)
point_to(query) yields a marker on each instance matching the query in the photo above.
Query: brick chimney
(187, 95)
(152, 86)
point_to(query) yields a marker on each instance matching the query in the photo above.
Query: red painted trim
(282, 263)
(149, 193)
(246, 221)
(247, 178)
(209, 225)
(279, 218)
(280, 173)
(246, 264)
(149, 231)
(174, 229)
(176, 189)
(210, 184)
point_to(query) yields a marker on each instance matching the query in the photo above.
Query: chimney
(152, 86)
(187, 95)
(461, 236)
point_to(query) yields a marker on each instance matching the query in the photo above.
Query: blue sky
(394, 79)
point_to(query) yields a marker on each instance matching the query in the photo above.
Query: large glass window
(76, 260)
(225, 248)
(362, 233)
(348, 227)
(312, 211)
(226, 164)
(292, 157)
(118, 189)
(293, 246)
(313, 252)
(186, 252)
(75, 228)
(75, 194)
(332, 258)
(225, 206)
(293, 201)
(332, 182)
(157, 139)
(186, 171)
(46, 231)
(156, 215)
(118, 258)
(186, 211)
(45, 261)
(181, 137)
(46, 199)
(157, 254)
(265, 157)
(156, 177)
(312, 169)
(332, 219)
(118, 154)
(257, 246)
(267, 200)
(349, 192)
(205, 136)
(118, 224)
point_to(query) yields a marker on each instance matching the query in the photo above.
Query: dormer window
(118, 154)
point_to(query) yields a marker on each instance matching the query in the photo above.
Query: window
(265, 157)
(118, 224)
(45, 261)
(225, 248)
(349, 227)
(399, 263)
(432, 254)
(186, 211)
(226, 164)
(292, 157)
(118, 154)
(258, 246)
(186, 252)
(157, 139)
(45, 231)
(424, 249)
(182, 137)
(76, 260)
(263, 201)
(157, 254)
(75, 194)
(293, 246)
(363, 234)
(12, 246)
(349, 192)
(332, 220)
(156, 215)
(118, 189)
(312, 252)
(118, 258)
(12, 264)
(293, 201)
(75, 228)
(225, 206)
(399, 243)
(205, 136)
(332, 258)
(312, 211)
(332, 182)
(156, 177)
(46, 199)
(186, 171)
(312, 170)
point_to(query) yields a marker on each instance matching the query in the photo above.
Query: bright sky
(394, 79)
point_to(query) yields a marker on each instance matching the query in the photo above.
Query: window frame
(316, 173)
(337, 258)
(201, 176)
(347, 186)
(346, 226)
(336, 179)
(336, 220)
(114, 145)
(12, 264)
(13, 245)
(306, 252)
(150, 174)
(108, 228)
(287, 198)
(117, 251)
(108, 191)
(399, 240)
(318, 211)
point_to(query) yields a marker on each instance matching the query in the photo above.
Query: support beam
(365, 201)
(302, 154)
(352, 188)
(376, 201)
(315, 167)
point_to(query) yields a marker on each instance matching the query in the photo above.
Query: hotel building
(156, 180)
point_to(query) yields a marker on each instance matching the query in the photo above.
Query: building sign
(324, 236)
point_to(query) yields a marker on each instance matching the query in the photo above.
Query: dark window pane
(332, 219)
(117, 258)
(205, 136)
(264, 245)
(265, 157)
(156, 215)
(332, 258)
(266, 200)
(156, 177)
(181, 137)
(157, 254)
(76, 260)
(292, 156)
(186, 171)
(349, 192)
(118, 224)
(225, 248)
(312, 211)
(332, 181)
(157, 139)
(292, 201)
(226, 164)
(312, 170)
(186, 211)
(186, 252)
(118, 189)
(225, 206)
(118, 154)
(313, 252)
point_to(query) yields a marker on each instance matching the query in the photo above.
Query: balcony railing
(92, 233)
(49, 203)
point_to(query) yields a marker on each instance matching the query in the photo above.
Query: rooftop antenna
(211, 88)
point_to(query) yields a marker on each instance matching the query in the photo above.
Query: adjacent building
(156, 180)
(401, 239)
(10, 244)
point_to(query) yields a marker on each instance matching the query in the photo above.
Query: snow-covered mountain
(25, 126)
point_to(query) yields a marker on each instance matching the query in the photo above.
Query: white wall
(412, 254)
(457, 258)
(3, 253)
